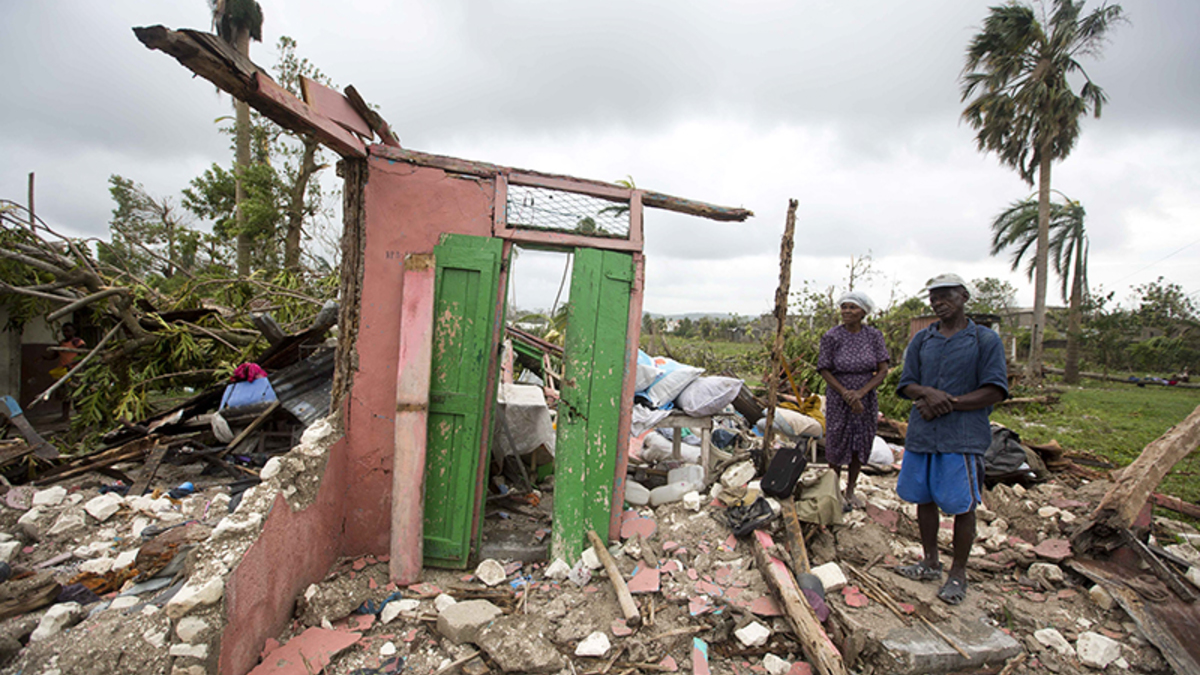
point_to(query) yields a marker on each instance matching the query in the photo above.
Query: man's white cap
(946, 280)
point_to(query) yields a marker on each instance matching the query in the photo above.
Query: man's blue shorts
(953, 481)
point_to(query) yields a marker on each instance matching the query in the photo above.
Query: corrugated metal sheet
(305, 387)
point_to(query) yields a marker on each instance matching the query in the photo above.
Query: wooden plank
(795, 536)
(135, 449)
(633, 617)
(1123, 501)
(374, 120)
(157, 452)
(330, 103)
(1175, 504)
(412, 417)
(279, 104)
(818, 649)
(580, 185)
(258, 422)
(786, 245)
(633, 332)
(564, 240)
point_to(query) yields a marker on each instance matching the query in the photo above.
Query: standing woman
(853, 362)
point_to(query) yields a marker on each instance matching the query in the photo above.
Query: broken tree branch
(45, 395)
(1120, 506)
(85, 301)
(786, 245)
(633, 618)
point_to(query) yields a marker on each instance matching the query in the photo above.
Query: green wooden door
(590, 407)
(465, 292)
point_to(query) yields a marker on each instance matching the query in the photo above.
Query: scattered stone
(50, 496)
(8, 551)
(636, 493)
(195, 594)
(831, 576)
(776, 665)
(442, 601)
(56, 619)
(1054, 550)
(125, 559)
(104, 506)
(388, 649)
(100, 566)
(753, 634)
(692, 501)
(594, 645)
(1049, 511)
(71, 520)
(558, 570)
(490, 572)
(30, 523)
(645, 580)
(1048, 573)
(235, 526)
(1050, 638)
(531, 653)
(123, 602)
(591, 560)
(620, 629)
(1102, 598)
(1096, 650)
(462, 621)
(190, 627)
(393, 609)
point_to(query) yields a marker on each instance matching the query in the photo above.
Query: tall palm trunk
(242, 109)
(1033, 369)
(1075, 318)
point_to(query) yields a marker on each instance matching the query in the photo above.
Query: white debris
(591, 560)
(231, 526)
(71, 520)
(8, 550)
(30, 523)
(831, 576)
(271, 468)
(737, 475)
(1048, 572)
(753, 634)
(636, 493)
(1052, 639)
(123, 602)
(99, 566)
(692, 501)
(50, 496)
(104, 506)
(1049, 511)
(125, 559)
(388, 649)
(776, 665)
(558, 570)
(594, 645)
(1104, 600)
(190, 627)
(195, 651)
(490, 572)
(57, 618)
(195, 594)
(1096, 650)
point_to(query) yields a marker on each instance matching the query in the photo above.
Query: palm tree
(237, 22)
(1024, 109)
(1018, 227)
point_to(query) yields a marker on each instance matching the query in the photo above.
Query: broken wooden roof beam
(596, 188)
(213, 59)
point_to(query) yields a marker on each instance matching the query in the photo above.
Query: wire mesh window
(546, 209)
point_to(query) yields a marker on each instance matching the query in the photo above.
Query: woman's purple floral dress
(852, 359)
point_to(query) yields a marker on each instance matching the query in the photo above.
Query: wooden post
(412, 414)
(819, 650)
(781, 298)
(633, 618)
(1120, 506)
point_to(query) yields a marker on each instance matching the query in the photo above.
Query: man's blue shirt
(960, 364)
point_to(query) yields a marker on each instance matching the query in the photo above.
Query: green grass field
(1115, 421)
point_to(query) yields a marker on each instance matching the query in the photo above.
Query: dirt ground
(708, 586)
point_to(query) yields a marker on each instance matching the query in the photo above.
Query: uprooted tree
(161, 334)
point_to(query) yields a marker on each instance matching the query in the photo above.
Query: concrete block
(195, 594)
(99, 566)
(71, 520)
(753, 634)
(1096, 650)
(831, 576)
(462, 621)
(490, 572)
(1048, 572)
(594, 645)
(190, 627)
(737, 475)
(1053, 640)
(50, 496)
(913, 650)
(9, 550)
(56, 619)
(31, 523)
(125, 559)
(776, 665)
(558, 570)
(104, 506)
(518, 644)
(442, 601)
(1105, 601)
(193, 651)
(591, 560)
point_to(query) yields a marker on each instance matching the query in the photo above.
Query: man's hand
(934, 404)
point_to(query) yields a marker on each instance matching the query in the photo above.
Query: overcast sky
(850, 107)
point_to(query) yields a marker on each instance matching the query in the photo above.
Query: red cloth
(247, 372)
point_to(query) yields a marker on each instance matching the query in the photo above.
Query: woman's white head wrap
(857, 298)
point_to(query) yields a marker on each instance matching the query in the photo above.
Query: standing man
(954, 372)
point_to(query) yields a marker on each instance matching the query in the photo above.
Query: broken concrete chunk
(558, 570)
(8, 550)
(442, 601)
(462, 621)
(98, 566)
(190, 627)
(50, 496)
(532, 652)
(104, 506)
(594, 645)
(1048, 573)
(753, 634)
(193, 651)
(124, 602)
(490, 572)
(230, 526)
(397, 607)
(388, 649)
(692, 501)
(31, 523)
(1051, 639)
(125, 559)
(737, 475)
(776, 665)
(71, 520)
(1096, 650)
(1049, 511)
(831, 576)
(195, 594)
(591, 560)
(56, 619)
(271, 468)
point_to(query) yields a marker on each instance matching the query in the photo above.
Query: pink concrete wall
(407, 209)
(294, 549)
